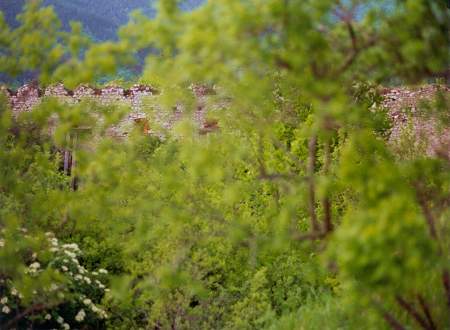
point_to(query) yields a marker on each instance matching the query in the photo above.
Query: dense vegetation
(295, 214)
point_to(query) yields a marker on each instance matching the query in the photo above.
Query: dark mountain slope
(100, 18)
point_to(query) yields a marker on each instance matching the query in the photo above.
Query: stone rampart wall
(30, 95)
(403, 105)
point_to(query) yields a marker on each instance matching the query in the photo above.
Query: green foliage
(294, 213)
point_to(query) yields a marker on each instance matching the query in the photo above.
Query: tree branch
(352, 34)
(263, 175)
(351, 58)
(30, 310)
(277, 176)
(347, 17)
(293, 157)
(312, 236)
(389, 318)
(426, 211)
(426, 311)
(409, 308)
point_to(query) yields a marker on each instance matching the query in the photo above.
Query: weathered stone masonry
(402, 105)
(28, 96)
(407, 116)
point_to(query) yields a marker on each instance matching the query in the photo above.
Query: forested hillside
(269, 165)
(100, 18)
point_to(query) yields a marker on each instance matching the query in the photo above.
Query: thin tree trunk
(67, 157)
(446, 283)
(312, 147)
(426, 212)
(73, 167)
(326, 200)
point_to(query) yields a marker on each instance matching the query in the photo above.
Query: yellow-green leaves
(223, 222)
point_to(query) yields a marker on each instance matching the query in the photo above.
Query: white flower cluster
(66, 261)
(63, 324)
(67, 255)
(34, 268)
(80, 316)
(5, 307)
(98, 311)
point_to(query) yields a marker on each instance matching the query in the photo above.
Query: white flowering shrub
(53, 290)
